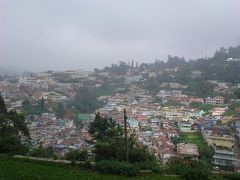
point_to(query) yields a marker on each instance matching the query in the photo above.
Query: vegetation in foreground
(12, 168)
(13, 129)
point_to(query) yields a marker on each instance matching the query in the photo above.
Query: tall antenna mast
(126, 138)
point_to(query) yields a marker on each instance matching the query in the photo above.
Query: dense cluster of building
(154, 122)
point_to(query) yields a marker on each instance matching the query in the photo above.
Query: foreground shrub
(188, 169)
(116, 167)
(139, 153)
(233, 176)
(77, 155)
(13, 129)
(42, 152)
(154, 166)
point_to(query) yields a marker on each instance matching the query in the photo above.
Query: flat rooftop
(187, 149)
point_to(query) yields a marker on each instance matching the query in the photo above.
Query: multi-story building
(218, 111)
(185, 126)
(218, 100)
(223, 157)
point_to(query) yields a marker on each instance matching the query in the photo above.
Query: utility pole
(126, 138)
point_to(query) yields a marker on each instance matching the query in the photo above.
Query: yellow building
(219, 140)
(227, 119)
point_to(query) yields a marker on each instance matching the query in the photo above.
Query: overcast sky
(83, 34)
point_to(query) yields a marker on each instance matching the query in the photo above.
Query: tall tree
(60, 110)
(13, 129)
(3, 108)
(110, 142)
(42, 103)
(102, 128)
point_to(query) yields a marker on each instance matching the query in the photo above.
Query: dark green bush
(154, 166)
(42, 152)
(141, 154)
(233, 176)
(88, 164)
(116, 167)
(188, 169)
(77, 155)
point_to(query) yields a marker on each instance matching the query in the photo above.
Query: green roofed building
(84, 117)
(61, 123)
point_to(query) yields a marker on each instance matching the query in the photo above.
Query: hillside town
(120, 90)
(170, 122)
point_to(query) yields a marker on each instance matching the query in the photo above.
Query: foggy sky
(40, 35)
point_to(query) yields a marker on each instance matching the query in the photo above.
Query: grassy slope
(194, 138)
(11, 168)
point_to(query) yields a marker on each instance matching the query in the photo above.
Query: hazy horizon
(70, 34)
